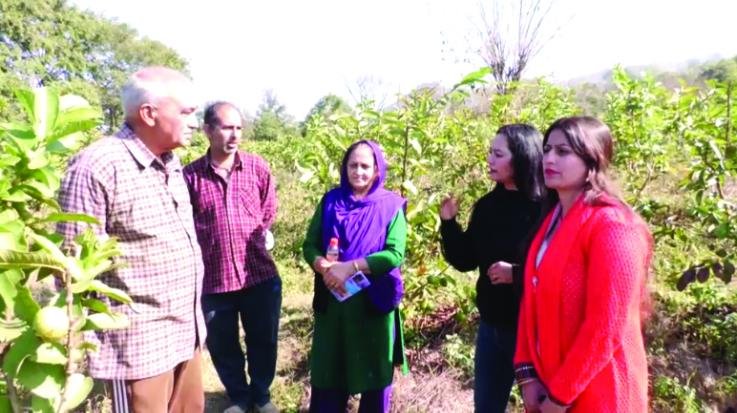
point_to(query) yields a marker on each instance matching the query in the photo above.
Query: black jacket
(499, 228)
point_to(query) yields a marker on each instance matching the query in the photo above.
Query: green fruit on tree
(51, 323)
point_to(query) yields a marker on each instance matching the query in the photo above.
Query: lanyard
(548, 234)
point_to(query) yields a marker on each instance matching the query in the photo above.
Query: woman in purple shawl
(357, 341)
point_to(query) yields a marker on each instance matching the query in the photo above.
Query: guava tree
(48, 299)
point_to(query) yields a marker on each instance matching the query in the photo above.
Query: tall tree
(52, 43)
(272, 120)
(327, 106)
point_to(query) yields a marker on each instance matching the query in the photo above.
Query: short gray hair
(148, 85)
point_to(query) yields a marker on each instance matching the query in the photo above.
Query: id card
(353, 284)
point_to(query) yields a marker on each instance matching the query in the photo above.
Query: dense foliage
(41, 321)
(675, 163)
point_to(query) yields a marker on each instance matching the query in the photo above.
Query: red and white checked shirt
(231, 218)
(143, 202)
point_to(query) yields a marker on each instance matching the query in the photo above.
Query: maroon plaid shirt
(231, 217)
(142, 201)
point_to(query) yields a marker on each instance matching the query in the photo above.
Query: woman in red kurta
(580, 346)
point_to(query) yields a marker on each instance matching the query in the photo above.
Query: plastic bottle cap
(333, 242)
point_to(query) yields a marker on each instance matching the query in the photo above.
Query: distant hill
(689, 69)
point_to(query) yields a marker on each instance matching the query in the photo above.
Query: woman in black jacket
(500, 223)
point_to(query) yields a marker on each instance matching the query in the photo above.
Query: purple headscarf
(361, 225)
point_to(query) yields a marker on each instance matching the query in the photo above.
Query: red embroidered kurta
(580, 317)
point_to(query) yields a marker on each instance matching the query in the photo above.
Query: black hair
(211, 112)
(526, 145)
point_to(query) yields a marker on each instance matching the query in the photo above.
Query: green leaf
(38, 190)
(5, 187)
(81, 286)
(21, 138)
(22, 348)
(10, 330)
(42, 405)
(18, 131)
(474, 77)
(25, 98)
(8, 216)
(93, 271)
(64, 143)
(8, 160)
(715, 150)
(106, 321)
(50, 353)
(93, 249)
(25, 306)
(15, 230)
(37, 159)
(49, 246)
(49, 177)
(114, 293)
(69, 217)
(21, 147)
(8, 286)
(415, 209)
(96, 305)
(76, 390)
(74, 120)
(17, 196)
(5, 405)
(36, 259)
(723, 230)
(43, 380)
(71, 101)
(45, 112)
(8, 241)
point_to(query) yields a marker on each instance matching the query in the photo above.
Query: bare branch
(507, 50)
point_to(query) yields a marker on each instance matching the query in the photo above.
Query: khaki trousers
(176, 391)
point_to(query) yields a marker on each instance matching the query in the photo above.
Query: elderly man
(234, 204)
(133, 184)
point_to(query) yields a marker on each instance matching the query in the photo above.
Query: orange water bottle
(333, 252)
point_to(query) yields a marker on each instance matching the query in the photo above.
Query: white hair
(148, 85)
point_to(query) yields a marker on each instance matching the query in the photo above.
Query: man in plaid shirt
(234, 202)
(133, 184)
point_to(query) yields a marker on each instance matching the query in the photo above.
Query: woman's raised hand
(448, 208)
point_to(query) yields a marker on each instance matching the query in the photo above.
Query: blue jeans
(259, 308)
(493, 368)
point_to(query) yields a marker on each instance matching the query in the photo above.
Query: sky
(302, 50)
